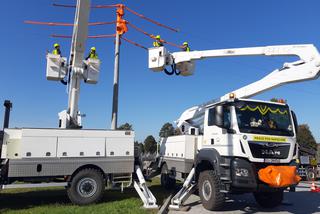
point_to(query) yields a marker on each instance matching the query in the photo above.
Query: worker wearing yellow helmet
(93, 54)
(185, 47)
(56, 49)
(158, 42)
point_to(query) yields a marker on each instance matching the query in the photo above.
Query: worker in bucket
(56, 49)
(158, 42)
(185, 47)
(93, 54)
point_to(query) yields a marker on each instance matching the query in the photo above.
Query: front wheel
(269, 199)
(209, 190)
(87, 187)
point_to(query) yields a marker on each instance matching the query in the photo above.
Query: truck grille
(269, 149)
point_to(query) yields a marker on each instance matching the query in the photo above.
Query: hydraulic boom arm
(306, 68)
(78, 44)
(78, 68)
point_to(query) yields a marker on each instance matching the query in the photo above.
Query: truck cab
(233, 140)
(262, 132)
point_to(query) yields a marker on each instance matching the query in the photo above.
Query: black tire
(209, 190)
(269, 199)
(87, 187)
(311, 175)
(166, 181)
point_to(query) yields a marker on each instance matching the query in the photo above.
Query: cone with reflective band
(314, 188)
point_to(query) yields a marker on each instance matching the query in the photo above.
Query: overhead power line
(66, 24)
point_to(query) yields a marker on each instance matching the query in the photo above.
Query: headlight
(242, 172)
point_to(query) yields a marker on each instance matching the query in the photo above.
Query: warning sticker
(269, 139)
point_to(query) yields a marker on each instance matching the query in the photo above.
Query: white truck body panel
(182, 146)
(48, 143)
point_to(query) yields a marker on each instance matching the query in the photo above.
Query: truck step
(225, 164)
(225, 178)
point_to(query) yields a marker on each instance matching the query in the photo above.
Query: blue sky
(148, 100)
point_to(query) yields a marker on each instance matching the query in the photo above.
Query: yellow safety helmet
(185, 43)
(56, 45)
(158, 37)
(93, 48)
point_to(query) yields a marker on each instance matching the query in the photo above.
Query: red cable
(139, 29)
(106, 6)
(102, 36)
(150, 20)
(60, 36)
(151, 36)
(66, 24)
(96, 6)
(89, 37)
(48, 23)
(134, 43)
(170, 43)
(63, 5)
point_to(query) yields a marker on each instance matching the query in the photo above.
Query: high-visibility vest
(187, 49)
(157, 44)
(93, 56)
(56, 51)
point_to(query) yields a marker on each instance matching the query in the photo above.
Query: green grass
(55, 200)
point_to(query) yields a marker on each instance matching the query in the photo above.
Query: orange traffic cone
(313, 187)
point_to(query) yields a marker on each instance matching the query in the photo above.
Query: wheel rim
(311, 175)
(206, 190)
(87, 187)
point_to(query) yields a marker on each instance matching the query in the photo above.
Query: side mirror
(295, 121)
(219, 116)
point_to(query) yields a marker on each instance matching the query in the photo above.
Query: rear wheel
(269, 199)
(209, 190)
(87, 187)
(166, 181)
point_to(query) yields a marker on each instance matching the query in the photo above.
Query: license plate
(270, 160)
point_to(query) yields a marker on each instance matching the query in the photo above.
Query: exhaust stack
(8, 105)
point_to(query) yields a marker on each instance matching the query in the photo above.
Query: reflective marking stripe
(269, 139)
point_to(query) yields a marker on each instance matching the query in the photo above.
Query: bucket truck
(225, 142)
(84, 161)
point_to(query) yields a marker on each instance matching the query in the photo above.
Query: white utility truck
(83, 161)
(226, 141)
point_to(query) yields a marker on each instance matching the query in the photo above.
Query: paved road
(301, 202)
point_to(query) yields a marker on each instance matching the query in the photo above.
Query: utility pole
(121, 28)
(114, 120)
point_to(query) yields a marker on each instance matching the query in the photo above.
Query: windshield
(263, 118)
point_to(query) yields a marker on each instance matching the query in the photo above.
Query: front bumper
(250, 182)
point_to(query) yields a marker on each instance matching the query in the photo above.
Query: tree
(318, 153)
(125, 126)
(177, 131)
(139, 146)
(150, 145)
(305, 137)
(166, 130)
(274, 99)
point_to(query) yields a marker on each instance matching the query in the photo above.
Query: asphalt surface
(302, 202)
